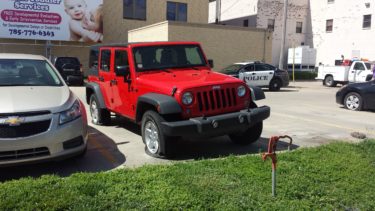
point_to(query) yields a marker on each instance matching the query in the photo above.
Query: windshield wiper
(12, 85)
(7, 85)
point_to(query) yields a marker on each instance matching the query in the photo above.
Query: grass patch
(335, 176)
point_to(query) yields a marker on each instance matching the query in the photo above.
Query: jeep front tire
(250, 136)
(156, 143)
(99, 116)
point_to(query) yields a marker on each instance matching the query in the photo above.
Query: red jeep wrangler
(170, 90)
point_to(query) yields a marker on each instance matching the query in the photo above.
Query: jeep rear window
(27, 72)
(168, 56)
(67, 60)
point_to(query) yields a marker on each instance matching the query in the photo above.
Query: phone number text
(31, 32)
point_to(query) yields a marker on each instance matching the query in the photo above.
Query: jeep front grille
(24, 154)
(24, 130)
(217, 99)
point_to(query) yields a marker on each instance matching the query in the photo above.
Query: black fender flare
(257, 93)
(163, 104)
(94, 88)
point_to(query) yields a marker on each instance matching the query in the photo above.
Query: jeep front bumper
(217, 125)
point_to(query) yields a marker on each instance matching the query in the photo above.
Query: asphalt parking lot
(306, 111)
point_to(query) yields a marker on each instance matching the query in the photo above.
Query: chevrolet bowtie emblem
(14, 121)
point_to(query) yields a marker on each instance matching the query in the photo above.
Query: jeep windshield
(25, 72)
(168, 56)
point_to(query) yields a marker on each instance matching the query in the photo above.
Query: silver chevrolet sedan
(40, 118)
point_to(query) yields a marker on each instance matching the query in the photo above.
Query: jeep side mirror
(211, 63)
(123, 71)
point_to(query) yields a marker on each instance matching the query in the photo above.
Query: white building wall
(347, 34)
(233, 9)
(298, 11)
(259, 11)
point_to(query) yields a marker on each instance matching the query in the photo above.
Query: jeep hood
(164, 81)
(32, 98)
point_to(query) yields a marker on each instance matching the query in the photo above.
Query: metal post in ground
(283, 35)
(271, 152)
(273, 182)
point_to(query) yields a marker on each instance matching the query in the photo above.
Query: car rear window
(67, 60)
(27, 72)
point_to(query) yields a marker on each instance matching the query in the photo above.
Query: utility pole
(48, 49)
(218, 11)
(283, 35)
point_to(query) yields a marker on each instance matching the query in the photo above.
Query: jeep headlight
(187, 98)
(241, 91)
(69, 115)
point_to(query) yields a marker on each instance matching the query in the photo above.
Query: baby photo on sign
(85, 25)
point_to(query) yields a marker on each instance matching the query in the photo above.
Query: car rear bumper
(58, 142)
(285, 80)
(217, 125)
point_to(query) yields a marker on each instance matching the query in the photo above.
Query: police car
(255, 73)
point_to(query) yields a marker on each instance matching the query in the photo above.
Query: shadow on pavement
(102, 155)
(281, 90)
(122, 122)
(221, 147)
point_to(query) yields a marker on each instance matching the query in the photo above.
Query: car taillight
(80, 67)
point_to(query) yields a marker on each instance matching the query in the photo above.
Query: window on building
(135, 9)
(176, 11)
(330, 1)
(271, 24)
(329, 25)
(366, 22)
(299, 27)
(246, 23)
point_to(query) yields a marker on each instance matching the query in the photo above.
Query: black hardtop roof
(134, 43)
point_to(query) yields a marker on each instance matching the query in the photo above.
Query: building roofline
(144, 43)
(199, 25)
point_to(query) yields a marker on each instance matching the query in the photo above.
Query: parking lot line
(325, 123)
(102, 150)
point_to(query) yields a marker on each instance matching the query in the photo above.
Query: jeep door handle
(113, 82)
(252, 73)
(101, 78)
(270, 73)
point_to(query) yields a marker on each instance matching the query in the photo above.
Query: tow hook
(272, 144)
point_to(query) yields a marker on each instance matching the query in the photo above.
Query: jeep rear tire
(99, 116)
(156, 143)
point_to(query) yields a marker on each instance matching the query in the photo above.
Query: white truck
(359, 71)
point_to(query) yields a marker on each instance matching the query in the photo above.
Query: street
(306, 111)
